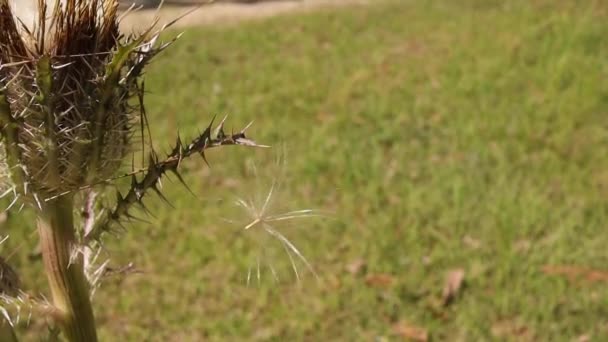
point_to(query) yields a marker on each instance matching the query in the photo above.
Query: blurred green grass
(439, 134)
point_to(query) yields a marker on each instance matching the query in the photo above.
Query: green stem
(9, 131)
(67, 281)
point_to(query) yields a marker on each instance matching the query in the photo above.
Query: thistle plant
(71, 110)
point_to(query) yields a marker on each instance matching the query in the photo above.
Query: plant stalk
(69, 287)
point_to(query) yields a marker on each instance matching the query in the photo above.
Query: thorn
(211, 123)
(119, 223)
(135, 218)
(153, 158)
(206, 135)
(144, 208)
(204, 158)
(12, 203)
(181, 180)
(37, 201)
(178, 144)
(246, 127)
(219, 131)
(160, 194)
(119, 197)
(178, 150)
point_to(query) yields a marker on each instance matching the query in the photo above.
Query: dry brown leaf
(356, 266)
(575, 273)
(584, 338)
(453, 284)
(380, 280)
(410, 332)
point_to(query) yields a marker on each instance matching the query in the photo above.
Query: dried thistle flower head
(67, 84)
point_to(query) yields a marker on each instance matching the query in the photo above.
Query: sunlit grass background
(438, 135)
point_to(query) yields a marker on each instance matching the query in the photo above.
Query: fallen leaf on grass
(574, 273)
(356, 266)
(380, 280)
(584, 338)
(410, 332)
(453, 284)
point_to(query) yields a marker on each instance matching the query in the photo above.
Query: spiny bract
(67, 88)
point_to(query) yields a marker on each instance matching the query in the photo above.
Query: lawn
(433, 135)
